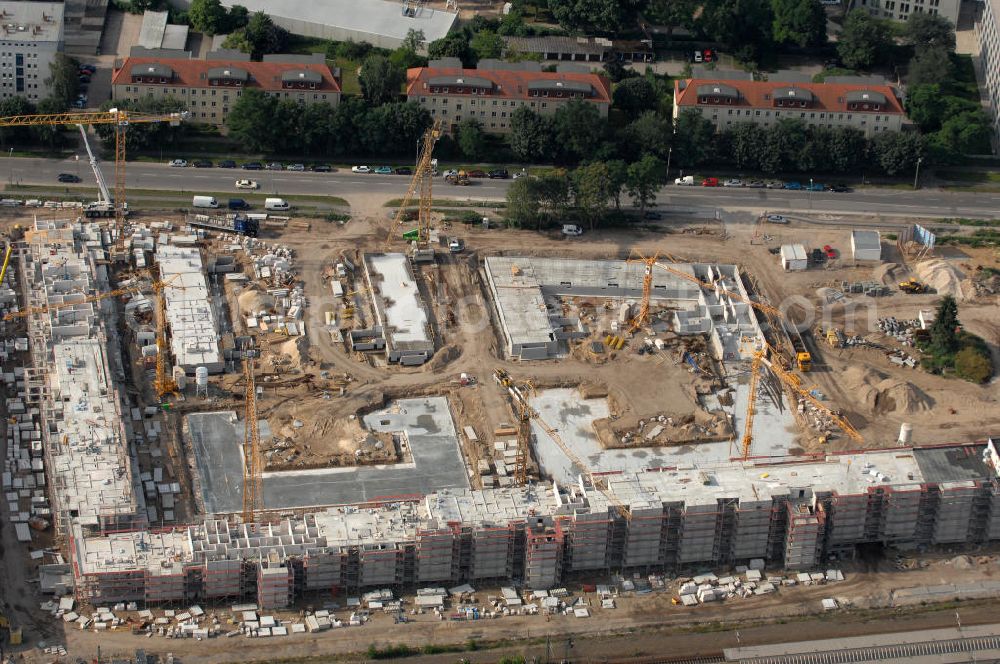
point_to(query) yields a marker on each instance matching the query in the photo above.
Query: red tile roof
(507, 84)
(761, 94)
(194, 73)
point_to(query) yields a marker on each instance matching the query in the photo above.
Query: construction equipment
(239, 224)
(647, 287)
(164, 383)
(253, 482)
(104, 206)
(6, 261)
(460, 178)
(14, 633)
(912, 287)
(121, 119)
(794, 383)
(747, 441)
(834, 337)
(803, 358)
(421, 181)
(519, 399)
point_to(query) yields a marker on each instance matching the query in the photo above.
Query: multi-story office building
(988, 32)
(901, 10)
(211, 87)
(496, 89)
(32, 35)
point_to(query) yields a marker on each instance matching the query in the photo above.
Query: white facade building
(32, 35)
(988, 32)
(900, 10)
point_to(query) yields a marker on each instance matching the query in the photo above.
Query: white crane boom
(103, 196)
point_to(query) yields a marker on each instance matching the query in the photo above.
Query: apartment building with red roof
(211, 87)
(870, 106)
(495, 90)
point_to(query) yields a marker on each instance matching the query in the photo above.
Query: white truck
(204, 202)
(686, 181)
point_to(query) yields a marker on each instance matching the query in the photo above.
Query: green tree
(929, 66)
(455, 45)
(348, 123)
(591, 191)
(617, 179)
(844, 148)
(251, 119)
(238, 17)
(578, 129)
(512, 25)
(896, 152)
(746, 144)
(472, 139)
(554, 194)
(643, 181)
(800, 22)
(973, 365)
(315, 129)
(594, 16)
(487, 44)
(674, 13)
(64, 79)
(963, 134)
(530, 136)
(380, 80)
(744, 26)
(49, 134)
(393, 129)
(144, 136)
(414, 40)
(924, 107)
(784, 143)
(864, 41)
(16, 106)
(524, 202)
(694, 139)
(633, 96)
(649, 134)
(944, 329)
(259, 37)
(208, 16)
(924, 30)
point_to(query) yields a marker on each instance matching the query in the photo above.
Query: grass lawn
(348, 75)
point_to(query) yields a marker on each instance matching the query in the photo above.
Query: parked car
(405, 170)
(840, 188)
(68, 177)
(274, 166)
(793, 186)
(756, 184)
(774, 184)
(178, 163)
(253, 166)
(476, 173)
(814, 186)
(776, 219)
(450, 173)
(383, 170)
(295, 167)
(498, 174)
(686, 181)
(321, 168)
(84, 78)
(247, 184)
(360, 169)
(733, 182)
(90, 69)
(227, 163)
(652, 215)
(830, 252)
(710, 182)
(203, 163)
(79, 103)
(571, 229)
(455, 245)
(238, 204)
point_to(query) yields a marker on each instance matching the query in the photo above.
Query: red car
(477, 174)
(829, 251)
(710, 182)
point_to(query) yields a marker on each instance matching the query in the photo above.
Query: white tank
(201, 377)
(905, 433)
(180, 378)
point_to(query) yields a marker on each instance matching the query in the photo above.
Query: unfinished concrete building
(401, 319)
(525, 292)
(69, 424)
(796, 514)
(194, 328)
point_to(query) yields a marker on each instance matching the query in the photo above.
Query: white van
(686, 181)
(571, 229)
(276, 204)
(204, 202)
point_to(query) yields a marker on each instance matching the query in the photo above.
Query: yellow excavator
(6, 630)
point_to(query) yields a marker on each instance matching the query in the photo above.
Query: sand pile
(889, 273)
(882, 394)
(252, 301)
(942, 277)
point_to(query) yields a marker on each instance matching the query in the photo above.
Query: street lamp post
(916, 175)
(670, 153)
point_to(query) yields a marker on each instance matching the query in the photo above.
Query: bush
(973, 365)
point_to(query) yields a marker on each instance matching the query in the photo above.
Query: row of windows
(830, 126)
(5, 95)
(225, 97)
(822, 116)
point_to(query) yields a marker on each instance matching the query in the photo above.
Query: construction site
(213, 409)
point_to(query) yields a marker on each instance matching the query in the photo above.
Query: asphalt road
(143, 175)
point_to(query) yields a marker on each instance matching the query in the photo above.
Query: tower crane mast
(253, 483)
(422, 183)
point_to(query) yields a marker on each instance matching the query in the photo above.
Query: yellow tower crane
(121, 119)
(647, 287)
(747, 441)
(422, 182)
(794, 384)
(253, 482)
(518, 395)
